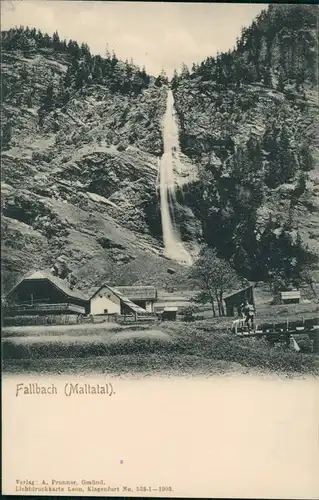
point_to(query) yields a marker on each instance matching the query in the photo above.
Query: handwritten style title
(69, 389)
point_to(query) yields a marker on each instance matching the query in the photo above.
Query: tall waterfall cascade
(169, 168)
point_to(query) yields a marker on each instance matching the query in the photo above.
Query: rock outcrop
(81, 141)
(249, 119)
(78, 180)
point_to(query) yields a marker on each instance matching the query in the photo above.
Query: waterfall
(173, 246)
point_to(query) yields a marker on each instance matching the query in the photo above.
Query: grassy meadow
(174, 348)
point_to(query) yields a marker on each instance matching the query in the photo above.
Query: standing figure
(249, 313)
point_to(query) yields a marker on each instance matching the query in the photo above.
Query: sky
(157, 35)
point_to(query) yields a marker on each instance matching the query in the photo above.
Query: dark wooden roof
(57, 282)
(138, 292)
(290, 294)
(238, 294)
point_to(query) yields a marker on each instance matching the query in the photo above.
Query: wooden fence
(99, 318)
(46, 309)
(282, 331)
(61, 319)
(72, 319)
(138, 318)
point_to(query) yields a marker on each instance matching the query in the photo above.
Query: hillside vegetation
(249, 119)
(81, 140)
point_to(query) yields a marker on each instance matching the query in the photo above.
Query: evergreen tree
(6, 135)
(114, 60)
(175, 79)
(56, 41)
(145, 77)
(74, 49)
(184, 71)
(254, 155)
(85, 51)
(24, 73)
(137, 82)
(75, 68)
(46, 41)
(163, 77)
(305, 157)
(194, 68)
(29, 100)
(281, 82)
(266, 75)
(80, 77)
(107, 52)
(47, 102)
(68, 77)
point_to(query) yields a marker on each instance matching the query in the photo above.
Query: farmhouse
(169, 313)
(290, 297)
(234, 300)
(143, 296)
(109, 300)
(41, 293)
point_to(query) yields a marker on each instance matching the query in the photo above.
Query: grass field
(201, 348)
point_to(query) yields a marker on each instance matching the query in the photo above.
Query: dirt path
(103, 335)
(151, 334)
(51, 329)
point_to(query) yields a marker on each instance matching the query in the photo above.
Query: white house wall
(149, 306)
(101, 302)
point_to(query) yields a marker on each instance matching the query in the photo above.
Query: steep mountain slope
(81, 141)
(249, 118)
(79, 166)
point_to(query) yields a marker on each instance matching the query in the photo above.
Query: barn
(290, 297)
(108, 300)
(143, 296)
(169, 313)
(234, 300)
(41, 293)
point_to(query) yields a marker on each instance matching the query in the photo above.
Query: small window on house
(106, 311)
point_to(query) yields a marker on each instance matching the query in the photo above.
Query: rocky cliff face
(249, 119)
(79, 180)
(81, 140)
